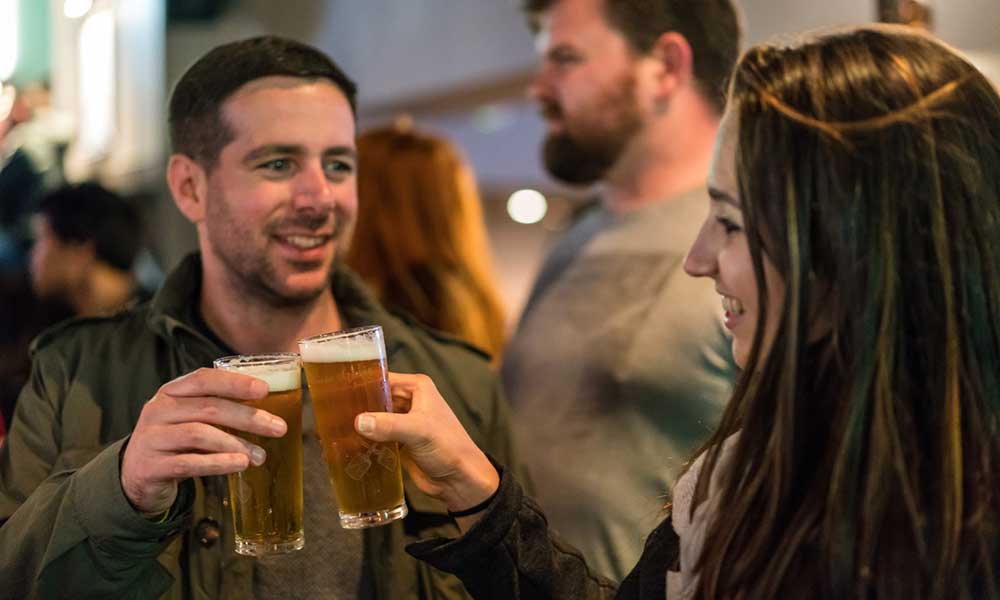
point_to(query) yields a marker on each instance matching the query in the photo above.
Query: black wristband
(475, 509)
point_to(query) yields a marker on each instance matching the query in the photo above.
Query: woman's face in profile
(722, 252)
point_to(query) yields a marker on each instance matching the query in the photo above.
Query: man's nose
(539, 87)
(312, 187)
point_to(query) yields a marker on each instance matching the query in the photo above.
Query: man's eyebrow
(266, 150)
(720, 196)
(270, 150)
(347, 151)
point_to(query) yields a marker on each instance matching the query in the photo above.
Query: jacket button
(207, 532)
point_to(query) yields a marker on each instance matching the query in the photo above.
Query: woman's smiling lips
(734, 310)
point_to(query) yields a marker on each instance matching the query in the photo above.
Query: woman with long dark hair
(854, 236)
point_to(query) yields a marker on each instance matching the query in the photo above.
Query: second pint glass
(267, 500)
(346, 373)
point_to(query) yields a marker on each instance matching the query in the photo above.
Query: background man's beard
(591, 143)
(586, 155)
(578, 162)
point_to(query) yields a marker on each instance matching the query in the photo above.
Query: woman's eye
(728, 225)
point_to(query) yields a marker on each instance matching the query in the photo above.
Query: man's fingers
(203, 438)
(217, 382)
(224, 413)
(184, 466)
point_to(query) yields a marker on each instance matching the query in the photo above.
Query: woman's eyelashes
(729, 225)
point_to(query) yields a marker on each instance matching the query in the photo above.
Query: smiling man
(620, 366)
(111, 477)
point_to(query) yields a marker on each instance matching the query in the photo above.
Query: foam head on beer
(338, 347)
(279, 376)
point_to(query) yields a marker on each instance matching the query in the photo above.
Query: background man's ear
(675, 62)
(81, 254)
(188, 184)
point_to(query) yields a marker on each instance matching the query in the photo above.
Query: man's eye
(278, 165)
(565, 60)
(562, 58)
(339, 168)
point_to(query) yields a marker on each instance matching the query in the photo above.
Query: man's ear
(188, 184)
(83, 254)
(675, 63)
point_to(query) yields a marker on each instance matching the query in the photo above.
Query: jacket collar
(171, 309)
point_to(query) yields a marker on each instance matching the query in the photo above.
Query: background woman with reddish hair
(420, 241)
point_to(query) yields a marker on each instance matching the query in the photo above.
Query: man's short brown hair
(711, 27)
(197, 126)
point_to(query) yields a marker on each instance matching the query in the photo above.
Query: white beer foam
(279, 379)
(340, 350)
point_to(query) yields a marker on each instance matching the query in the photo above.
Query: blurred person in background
(86, 242)
(420, 242)
(620, 366)
(112, 475)
(86, 239)
(40, 130)
(853, 233)
(32, 138)
(20, 180)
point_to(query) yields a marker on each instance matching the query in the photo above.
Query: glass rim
(275, 359)
(341, 334)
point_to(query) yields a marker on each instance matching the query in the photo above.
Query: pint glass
(267, 500)
(346, 373)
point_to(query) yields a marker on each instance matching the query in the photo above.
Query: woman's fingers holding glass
(442, 458)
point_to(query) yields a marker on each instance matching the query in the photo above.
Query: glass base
(372, 519)
(252, 548)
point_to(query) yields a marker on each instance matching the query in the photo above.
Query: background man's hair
(89, 212)
(711, 27)
(197, 127)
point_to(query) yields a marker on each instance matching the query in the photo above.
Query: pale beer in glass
(267, 500)
(346, 374)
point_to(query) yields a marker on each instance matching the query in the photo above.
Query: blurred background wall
(459, 68)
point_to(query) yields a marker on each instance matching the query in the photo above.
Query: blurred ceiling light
(527, 206)
(492, 118)
(9, 40)
(74, 9)
(96, 57)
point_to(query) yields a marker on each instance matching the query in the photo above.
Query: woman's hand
(440, 456)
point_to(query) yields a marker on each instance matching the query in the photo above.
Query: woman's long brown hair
(868, 463)
(420, 240)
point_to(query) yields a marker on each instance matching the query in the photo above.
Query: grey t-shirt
(619, 370)
(330, 566)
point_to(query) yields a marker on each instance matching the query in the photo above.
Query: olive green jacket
(70, 532)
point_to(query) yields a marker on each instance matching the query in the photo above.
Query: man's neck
(251, 325)
(669, 157)
(103, 290)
